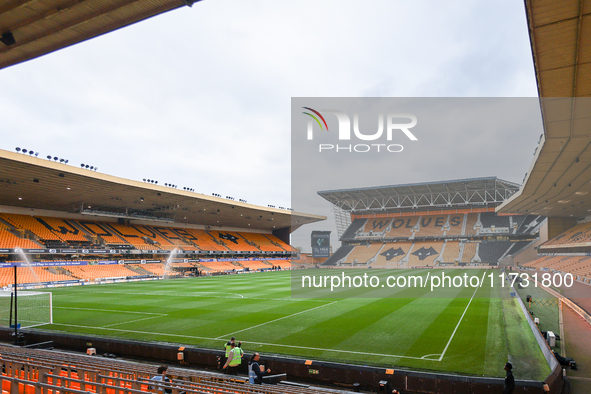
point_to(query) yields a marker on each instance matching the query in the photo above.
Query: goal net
(29, 309)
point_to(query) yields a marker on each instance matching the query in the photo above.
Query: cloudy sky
(201, 96)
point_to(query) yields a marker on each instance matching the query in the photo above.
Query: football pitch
(474, 333)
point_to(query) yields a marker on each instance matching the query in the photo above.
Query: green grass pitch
(469, 335)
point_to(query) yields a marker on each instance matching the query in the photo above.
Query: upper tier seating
(431, 226)
(57, 233)
(491, 219)
(402, 227)
(351, 231)
(577, 236)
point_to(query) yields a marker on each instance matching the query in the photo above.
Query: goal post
(33, 308)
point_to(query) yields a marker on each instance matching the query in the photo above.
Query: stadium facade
(447, 223)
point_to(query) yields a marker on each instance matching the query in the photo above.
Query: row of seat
(422, 253)
(577, 236)
(442, 225)
(96, 272)
(32, 371)
(579, 266)
(54, 231)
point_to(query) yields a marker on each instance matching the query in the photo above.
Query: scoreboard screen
(320, 244)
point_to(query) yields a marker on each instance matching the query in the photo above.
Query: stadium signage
(393, 125)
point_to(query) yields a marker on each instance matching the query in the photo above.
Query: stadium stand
(431, 226)
(262, 242)
(362, 254)
(255, 265)
(9, 240)
(30, 371)
(402, 227)
(468, 251)
(424, 253)
(284, 264)
(353, 229)
(202, 239)
(66, 233)
(93, 272)
(233, 241)
(392, 253)
(375, 227)
(579, 266)
(155, 268)
(25, 223)
(491, 252)
(577, 236)
(131, 235)
(339, 255)
(101, 231)
(31, 275)
(471, 220)
(492, 220)
(454, 225)
(451, 252)
(154, 235)
(220, 266)
(280, 243)
(528, 223)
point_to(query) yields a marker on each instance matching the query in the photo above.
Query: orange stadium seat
(29, 223)
(392, 253)
(471, 221)
(363, 253)
(401, 227)
(577, 236)
(424, 253)
(431, 226)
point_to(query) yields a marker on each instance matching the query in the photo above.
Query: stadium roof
(488, 191)
(30, 182)
(559, 180)
(32, 28)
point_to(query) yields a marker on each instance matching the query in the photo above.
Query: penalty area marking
(155, 315)
(255, 343)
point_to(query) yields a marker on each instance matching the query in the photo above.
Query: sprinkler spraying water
(168, 267)
(27, 263)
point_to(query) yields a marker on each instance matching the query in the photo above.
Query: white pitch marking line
(461, 318)
(256, 343)
(133, 321)
(272, 321)
(194, 294)
(111, 310)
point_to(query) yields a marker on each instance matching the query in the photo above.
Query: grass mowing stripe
(249, 342)
(272, 321)
(357, 330)
(462, 317)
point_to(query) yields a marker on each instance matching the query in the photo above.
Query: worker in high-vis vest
(234, 359)
(228, 348)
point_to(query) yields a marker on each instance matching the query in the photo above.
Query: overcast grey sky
(200, 96)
